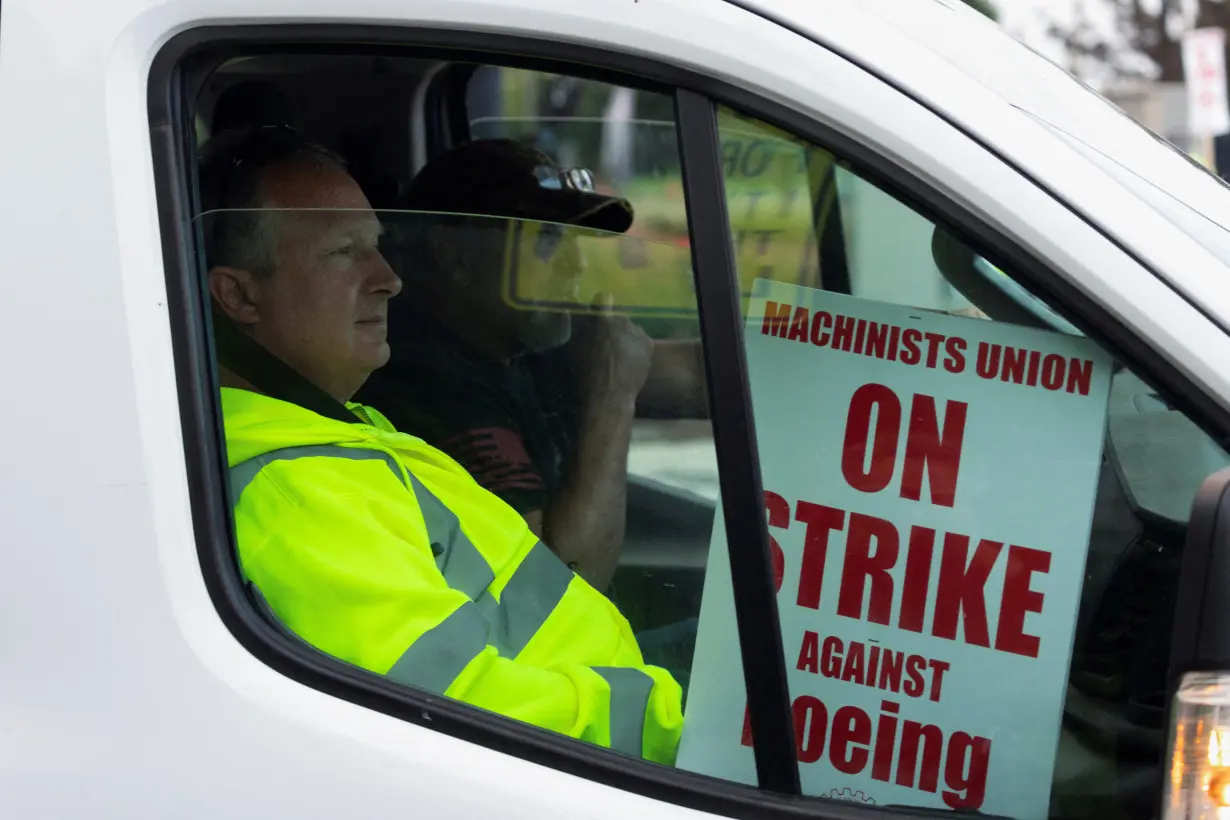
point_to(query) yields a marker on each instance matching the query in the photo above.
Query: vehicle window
(627, 139)
(976, 517)
(466, 428)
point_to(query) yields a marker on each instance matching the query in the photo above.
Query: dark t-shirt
(509, 424)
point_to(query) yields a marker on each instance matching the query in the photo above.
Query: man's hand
(614, 356)
(584, 522)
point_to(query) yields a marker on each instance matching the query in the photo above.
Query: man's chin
(377, 358)
(541, 337)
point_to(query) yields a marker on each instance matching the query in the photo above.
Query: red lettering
(914, 734)
(917, 578)
(919, 752)
(1019, 599)
(1080, 373)
(910, 353)
(934, 340)
(820, 322)
(961, 589)
(873, 666)
(1034, 359)
(988, 360)
(858, 474)
(886, 739)
(890, 670)
(914, 665)
(938, 668)
(955, 348)
(810, 724)
(877, 339)
(820, 521)
(830, 657)
(967, 789)
(1052, 371)
(777, 510)
(1014, 365)
(853, 673)
(800, 325)
(926, 450)
(894, 338)
(776, 319)
(860, 335)
(809, 653)
(862, 566)
(851, 737)
(843, 333)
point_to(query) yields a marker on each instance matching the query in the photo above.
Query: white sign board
(929, 487)
(1204, 70)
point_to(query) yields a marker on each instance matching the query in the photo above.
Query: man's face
(549, 265)
(324, 308)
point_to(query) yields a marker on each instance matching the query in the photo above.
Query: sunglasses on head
(557, 179)
(550, 235)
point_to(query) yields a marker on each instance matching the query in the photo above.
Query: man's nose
(384, 279)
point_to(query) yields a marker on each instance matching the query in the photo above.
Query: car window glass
(628, 138)
(855, 529)
(467, 436)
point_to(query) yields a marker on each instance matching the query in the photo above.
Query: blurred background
(1133, 52)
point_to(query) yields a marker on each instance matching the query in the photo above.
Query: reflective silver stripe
(243, 473)
(464, 568)
(528, 599)
(630, 690)
(441, 653)
(462, 565)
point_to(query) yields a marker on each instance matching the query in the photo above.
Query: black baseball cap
(505, 178)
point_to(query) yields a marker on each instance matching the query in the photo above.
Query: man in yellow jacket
(365, 542)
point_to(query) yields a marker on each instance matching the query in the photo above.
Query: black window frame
(176, 75)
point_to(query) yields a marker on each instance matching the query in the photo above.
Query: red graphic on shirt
(496, 457)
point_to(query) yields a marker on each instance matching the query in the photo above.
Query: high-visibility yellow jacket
(382, 551)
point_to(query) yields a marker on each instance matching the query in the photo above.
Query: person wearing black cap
(540, 412)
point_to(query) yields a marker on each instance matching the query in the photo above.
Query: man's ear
(236, 293)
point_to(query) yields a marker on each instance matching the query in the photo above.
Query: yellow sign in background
(779, 194)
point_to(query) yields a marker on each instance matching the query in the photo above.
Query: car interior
(387, 117)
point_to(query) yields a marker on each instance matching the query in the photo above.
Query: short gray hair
(239, 230)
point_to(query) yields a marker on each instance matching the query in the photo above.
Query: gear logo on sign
(849, 796)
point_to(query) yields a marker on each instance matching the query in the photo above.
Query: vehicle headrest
(250, 104)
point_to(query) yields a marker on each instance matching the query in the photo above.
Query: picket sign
(1204, 72)
(930, 482)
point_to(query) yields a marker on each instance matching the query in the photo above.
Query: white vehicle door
(141, 677)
